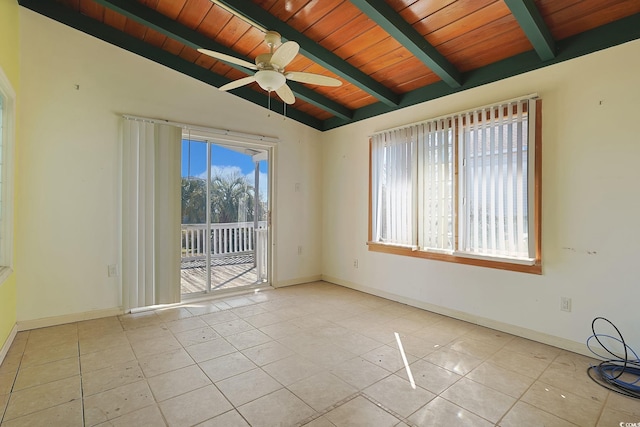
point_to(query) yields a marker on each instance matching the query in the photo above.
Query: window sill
(535, 268)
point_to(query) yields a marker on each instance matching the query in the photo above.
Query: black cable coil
(620, 373)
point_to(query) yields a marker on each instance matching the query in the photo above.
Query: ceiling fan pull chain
(269, 104)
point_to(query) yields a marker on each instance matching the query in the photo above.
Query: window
(463, 188)
(7, 117)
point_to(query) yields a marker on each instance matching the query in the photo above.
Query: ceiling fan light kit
(270, 80)
(270, 74)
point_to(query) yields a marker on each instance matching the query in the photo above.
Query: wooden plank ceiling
(388, 54)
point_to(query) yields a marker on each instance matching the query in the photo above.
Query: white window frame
(529, 262)
(7, 143)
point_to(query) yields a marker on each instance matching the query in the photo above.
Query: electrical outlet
(565, 304)
(112, 269)
(299, 250)
(355, 263)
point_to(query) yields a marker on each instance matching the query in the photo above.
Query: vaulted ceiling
(388, 54)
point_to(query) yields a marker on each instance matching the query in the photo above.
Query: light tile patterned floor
(314, 355)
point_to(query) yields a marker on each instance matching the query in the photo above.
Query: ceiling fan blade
(284, 92)
(237, 83)
(311, 78)
(285, 54)
(228, 58)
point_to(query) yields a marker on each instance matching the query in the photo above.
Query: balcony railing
(226, 239)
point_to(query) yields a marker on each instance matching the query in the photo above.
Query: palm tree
(232, 200)
(232, 197)
(194, 200)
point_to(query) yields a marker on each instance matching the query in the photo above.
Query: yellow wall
(10, 64)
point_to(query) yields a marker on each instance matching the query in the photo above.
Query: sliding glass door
(225, 206)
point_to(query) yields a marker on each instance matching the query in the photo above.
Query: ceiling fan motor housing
(263, 62)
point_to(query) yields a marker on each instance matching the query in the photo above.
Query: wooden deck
(226, 273)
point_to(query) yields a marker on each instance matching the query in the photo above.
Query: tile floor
(314, 355)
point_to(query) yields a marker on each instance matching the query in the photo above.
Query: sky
(194, 163)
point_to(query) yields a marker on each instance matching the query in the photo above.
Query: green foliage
(232, 199)
(194, 200)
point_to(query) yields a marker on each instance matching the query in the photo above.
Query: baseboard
(7, 344)
(541, 337)
(298, 281)
(26, 325)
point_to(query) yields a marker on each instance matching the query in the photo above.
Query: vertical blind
(412, 185)
(416, 200)
(495, 188)
(7, 147)
(394, 195)
(435, 145)
(150, 213)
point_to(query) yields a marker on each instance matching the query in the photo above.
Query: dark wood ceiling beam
(167, 27)
(621, 31)
(612, 34)
(387, 18)
(312, 97)
(534, 27)
(64, 15)
(315, 52)
(176, 31)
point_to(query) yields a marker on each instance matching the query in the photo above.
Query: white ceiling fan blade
(237, 83)
(228, 58)
(284, 92)
(285, 54)
(315, 79)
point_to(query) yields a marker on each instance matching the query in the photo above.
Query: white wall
(68, 165)
(591, 208)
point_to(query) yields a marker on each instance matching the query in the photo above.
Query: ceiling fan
(270, 74)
